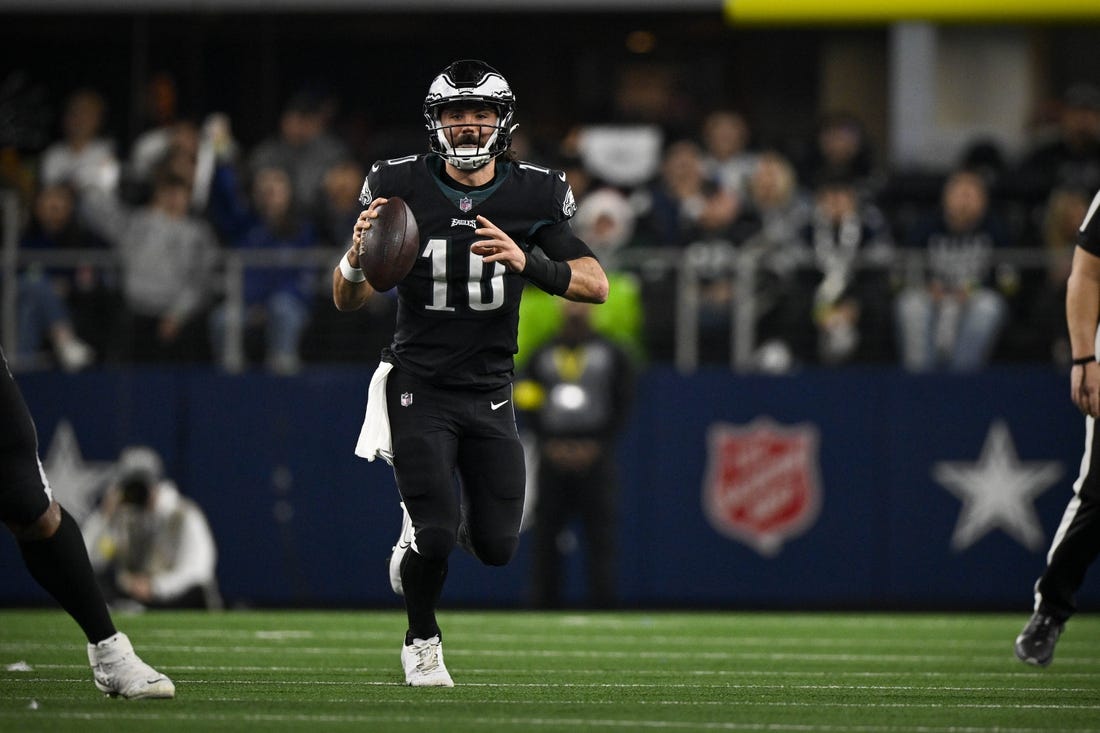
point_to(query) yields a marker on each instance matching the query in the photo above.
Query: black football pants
(459, 466)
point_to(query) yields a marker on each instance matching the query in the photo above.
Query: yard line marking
(635, 686)
(639, 637)
(396, 682)
(732, 640)
(1063, 660)
(1024, 674)
(575, 723)
(653, 703)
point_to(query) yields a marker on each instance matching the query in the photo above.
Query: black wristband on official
(1084, 360)
(550, 275)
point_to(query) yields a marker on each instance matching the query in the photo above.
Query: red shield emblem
(761, 484)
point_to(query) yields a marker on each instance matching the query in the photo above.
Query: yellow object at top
(786, 12)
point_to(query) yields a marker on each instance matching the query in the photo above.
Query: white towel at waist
(374, 437)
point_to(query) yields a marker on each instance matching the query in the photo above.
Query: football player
(53, 550)
(440, 405)
(1077, 541)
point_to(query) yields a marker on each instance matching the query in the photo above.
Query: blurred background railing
(681, 273)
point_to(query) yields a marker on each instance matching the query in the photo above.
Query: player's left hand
(498, 246)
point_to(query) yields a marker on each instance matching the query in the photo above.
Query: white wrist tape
(351, 274)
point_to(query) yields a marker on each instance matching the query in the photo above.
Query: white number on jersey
(436, 252)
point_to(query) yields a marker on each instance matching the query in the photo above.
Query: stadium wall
(825, 489)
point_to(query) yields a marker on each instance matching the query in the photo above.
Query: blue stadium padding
(301, 521)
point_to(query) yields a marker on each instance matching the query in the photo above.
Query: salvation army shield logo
(761, 486)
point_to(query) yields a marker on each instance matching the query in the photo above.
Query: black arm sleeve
(560, 243)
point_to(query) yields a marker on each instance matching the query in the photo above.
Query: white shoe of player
(117, 670)
(423, 663)
(404, 542)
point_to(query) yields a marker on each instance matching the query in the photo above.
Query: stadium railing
(684, 271)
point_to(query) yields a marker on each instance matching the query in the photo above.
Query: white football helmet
(469, 81)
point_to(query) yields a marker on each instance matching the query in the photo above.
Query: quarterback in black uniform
(54, 552)
(440, 403)
(1077, 541)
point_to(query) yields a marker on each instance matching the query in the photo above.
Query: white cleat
(404, 542)
(423, 663)
(117, 670)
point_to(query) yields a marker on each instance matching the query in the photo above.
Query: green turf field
(567, 672)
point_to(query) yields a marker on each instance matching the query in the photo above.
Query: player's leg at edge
(54, 553)
(421, 659)
(400, 549)
(1035, 644)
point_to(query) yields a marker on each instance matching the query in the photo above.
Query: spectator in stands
(1071, 155)
(304, 148)
(840, 147)
(45, 293)
(1042, 326)
(686, 208)
(82, 157)
(684, 204)
(277, 298)
(339, 206)
(851, 252)
(728, 157)
(769, 231)
(576, 391)
(165, 131)
(167, 259)
(777, 208)
(150, 546)
(953, 318)
(174, 147)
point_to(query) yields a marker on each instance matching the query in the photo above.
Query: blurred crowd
(850, 262)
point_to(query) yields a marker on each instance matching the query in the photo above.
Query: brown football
(390, 247)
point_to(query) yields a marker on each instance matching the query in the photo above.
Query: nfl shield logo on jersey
(761, 485)
(465, 203)
(406, 399)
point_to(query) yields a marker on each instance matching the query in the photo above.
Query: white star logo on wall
(74, 481)
(998, 491)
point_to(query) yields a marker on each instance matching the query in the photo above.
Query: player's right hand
(1085, 388)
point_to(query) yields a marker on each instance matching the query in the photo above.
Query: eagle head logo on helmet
(476, 82)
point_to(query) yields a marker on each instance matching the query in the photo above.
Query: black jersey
(457, 317)
(1089, 236)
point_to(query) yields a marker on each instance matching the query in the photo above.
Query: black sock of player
(60, 565)
(422, 581)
